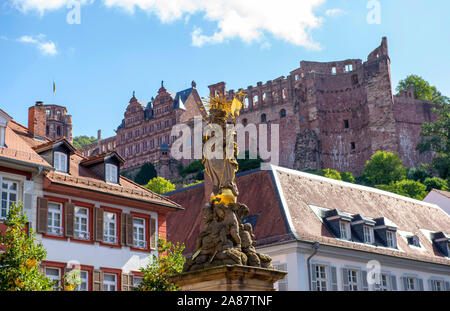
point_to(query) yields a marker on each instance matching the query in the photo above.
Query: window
(174, 121)
(390, 239)
(384, 285)
(321, 278)
(47, 130)
(122, 137)
(58, 131)
(263, 117)
(159, 126)
(352, 280)
(353, 145)
(54, 218)
(109, 282)
(136, 134)
(244, 122)
(437, 285)
(159, 141)
(368, 234)
(60, 161)
(410, 284)
(345, 230)
(144, 146)
(111, 173)
(346, 124)
(2, 136)
(152, 128)
(9, 196)
(53, 275)
(166, 123)
(414, 240)
(152, 144)
(348, 67)
(81, 223)
(47, 112)
(283, 113)
(138, 148)
(139, 233)
(84, 277)
(137, 280)
(333, 70)
(109, 228)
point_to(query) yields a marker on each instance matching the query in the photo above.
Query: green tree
(435, 183)
(19, 263)
(435, 136)
(422, 89)
(329, 173)
(193, 167)
(81, 141)
(157, 273)
(160, 185)
(146, 172)
(193, 184)
(383, 168)
(348, 177)
(407, 188)
(417, 174)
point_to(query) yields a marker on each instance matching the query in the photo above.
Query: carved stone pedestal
(229, 278)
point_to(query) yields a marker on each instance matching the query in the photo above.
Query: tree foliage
(417, 174)
(422, 89)
(157, 273)
(160, 185)
(193, 167)
(435, 183)
(348, 177)
(146, 173)
(81, 141)
(383, 168)
(19, 263)
(197, 182)
(407, 188)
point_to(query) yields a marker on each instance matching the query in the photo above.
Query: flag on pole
(54, 88)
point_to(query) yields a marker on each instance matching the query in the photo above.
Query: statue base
(229, 278)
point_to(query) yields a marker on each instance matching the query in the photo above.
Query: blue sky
(119, 48)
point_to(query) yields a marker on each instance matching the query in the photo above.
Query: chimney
(99, 135)
(37, 121)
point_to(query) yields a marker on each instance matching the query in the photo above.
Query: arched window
(244, 122)
(282, 113)
(263, 118)
(58, 131)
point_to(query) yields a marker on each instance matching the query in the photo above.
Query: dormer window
(368, 235)
(60, 161)
(111, 173)
(391, 239)
(344, 227)
(414, 241)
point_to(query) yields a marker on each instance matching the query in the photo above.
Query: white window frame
(107, 284)
(321, 278)
(8, 192)
(349, 68)
(53, 214)
(84, 277)
(368, 234)
(137, 229)
(346, 233)
(410, 280)
(54, 278)
(352, 277)
(137, 280)
(384, 286)
(60, 161)
(108, 237)
(434, 285)
(111, 173)
(78, 218)
(391, 239)
(2, 136)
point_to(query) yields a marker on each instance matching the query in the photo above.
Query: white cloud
(46, 47)
(248, 20)
(334, 12)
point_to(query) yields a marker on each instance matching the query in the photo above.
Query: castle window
(166, 123)
(47, 112)
(152, 128)
(255, 99)
(264, 96)
(282, 113)
(152, 144)
(263, 118)
(354, 79)
(138, 148)
(283, 93)
(58, 131)
(166, 108)
(346, 124)
(353, 145)
(333, 70)
(137, 133)
(348, 67)
(174, 121)
(144, 146)
(246, 102)
(244, 122)
(47, 130)
(159, 125)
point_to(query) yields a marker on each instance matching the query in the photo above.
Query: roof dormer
(106, 166)
(363, 228)
(385, 232)
(58, 153)
(442, 242)
(339, 223)
(4, 120)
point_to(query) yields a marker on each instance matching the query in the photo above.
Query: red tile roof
(283, 199)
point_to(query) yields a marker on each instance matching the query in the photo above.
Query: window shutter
(42, 214)
(97, 280)
(129, 230)
(393, 282)
(365, 285)
(69, 216)
(430, 285)
(153, 233)
(98, 224)
(123, 229)
(447, 286)
(420, 281)
(313, 278)
(28, 190)
(405, 283)
(127, 282)
(345, 279)
(333, 274)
